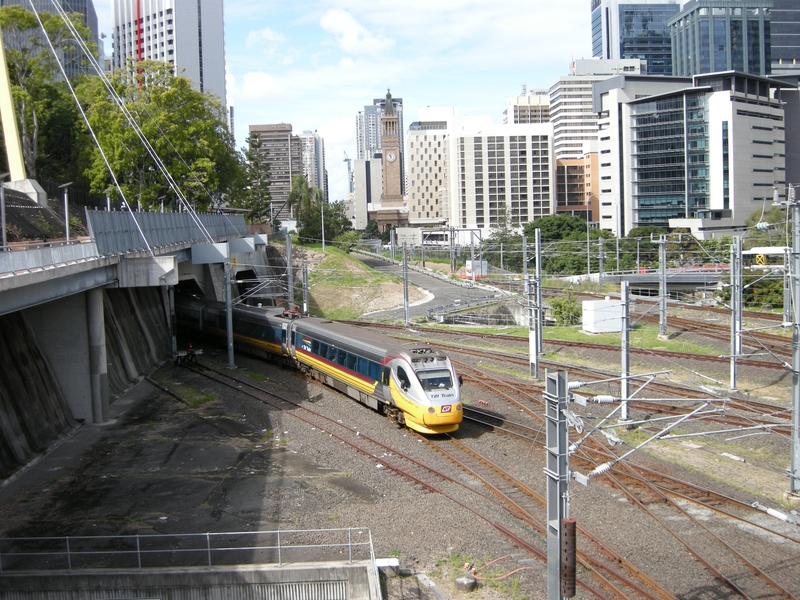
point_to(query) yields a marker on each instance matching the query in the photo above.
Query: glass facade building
(711, 36)
(670, 158)
(634, 30)
(785, 33)
(644, 34)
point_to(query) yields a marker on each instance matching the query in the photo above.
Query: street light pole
(65, 187)
(322, 217)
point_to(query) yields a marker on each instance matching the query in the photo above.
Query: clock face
(391, 156)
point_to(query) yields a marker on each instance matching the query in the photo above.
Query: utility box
(602, 316)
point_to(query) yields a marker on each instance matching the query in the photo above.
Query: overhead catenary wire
(120, 103)
(88, 125)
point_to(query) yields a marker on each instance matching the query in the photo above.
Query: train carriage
(413, 383)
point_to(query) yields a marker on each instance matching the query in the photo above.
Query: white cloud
(339, 131)
(351, 36)
(255, 38)
(259, 87)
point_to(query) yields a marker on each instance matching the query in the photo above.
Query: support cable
(119, 101)
(86, 120)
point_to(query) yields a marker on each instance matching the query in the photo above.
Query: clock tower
(392, 196)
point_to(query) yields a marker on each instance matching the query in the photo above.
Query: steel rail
(199, 369)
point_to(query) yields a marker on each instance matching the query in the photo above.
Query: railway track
(617, 574)
(601, 569)
(480, 504)
(769, 418)
(778, 346)
(773, 364)
(700, 519)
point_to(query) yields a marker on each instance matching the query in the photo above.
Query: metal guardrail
(37, 255)
(279, 547)
(443, 309)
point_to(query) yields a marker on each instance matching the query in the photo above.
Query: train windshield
(435, 380)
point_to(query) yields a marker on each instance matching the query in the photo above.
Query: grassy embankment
(340, 287)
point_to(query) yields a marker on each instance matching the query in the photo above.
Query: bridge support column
(98, 361)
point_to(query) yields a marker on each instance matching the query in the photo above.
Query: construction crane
(349, 161)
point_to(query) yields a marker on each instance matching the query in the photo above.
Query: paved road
(442, 291)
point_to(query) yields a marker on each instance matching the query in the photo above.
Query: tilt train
(412, 383)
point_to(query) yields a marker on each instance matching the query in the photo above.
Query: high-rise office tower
(314, 161)
(73, 61)
(634, 29)
(571, 112)
(710, 36)
(188, 35)
(785, 34)
(284, 152)
(702, 160)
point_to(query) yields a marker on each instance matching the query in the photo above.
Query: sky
(315, 64)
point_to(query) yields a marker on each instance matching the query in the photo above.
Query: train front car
(424, 386)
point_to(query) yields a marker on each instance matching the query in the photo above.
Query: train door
(284, 338)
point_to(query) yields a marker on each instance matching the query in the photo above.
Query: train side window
(332, 354)
(323, 350)
(341, 357)
(315, 347)
(405, 382)
(363, 366)
(352, 360)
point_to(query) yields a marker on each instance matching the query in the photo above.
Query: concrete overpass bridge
(58, 286)
(680, 280)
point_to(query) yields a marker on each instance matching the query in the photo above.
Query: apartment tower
(190, 36)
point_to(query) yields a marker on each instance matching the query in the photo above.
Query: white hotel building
(464, 171)
(188, 35)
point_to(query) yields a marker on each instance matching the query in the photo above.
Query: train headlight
(431, 410)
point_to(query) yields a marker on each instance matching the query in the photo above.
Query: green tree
(557, 227)
(504, 244)
(64, 143)
(778, 233)
(348, 240)
(565, 310)
(32, 68)
(309, 221)
(371, 230)
(187, 130)
(638, 244)
(254, 195)
(564, 240)
(302, 196)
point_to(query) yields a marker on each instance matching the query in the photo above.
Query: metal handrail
(142, 546)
